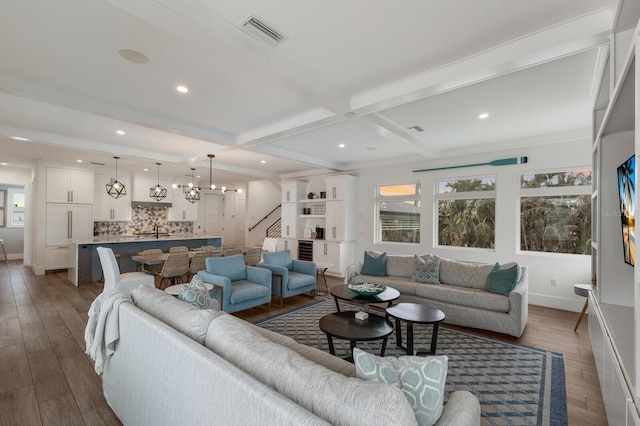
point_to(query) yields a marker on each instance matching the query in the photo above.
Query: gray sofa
(461, 295)
(176, 364)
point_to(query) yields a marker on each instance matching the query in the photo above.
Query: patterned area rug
(515, 384)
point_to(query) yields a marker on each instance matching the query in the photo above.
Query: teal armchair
(291, 277)
(240, 286)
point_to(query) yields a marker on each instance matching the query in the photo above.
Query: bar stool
(4, 252)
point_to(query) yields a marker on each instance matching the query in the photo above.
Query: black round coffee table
(414, 313)
(343, 292)
(344, 325)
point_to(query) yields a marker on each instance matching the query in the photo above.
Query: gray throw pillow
(427, 270)
(421, 380)
(197, 294)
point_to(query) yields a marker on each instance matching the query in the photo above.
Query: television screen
(627, 194)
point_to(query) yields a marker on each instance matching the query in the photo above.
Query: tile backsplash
(142, 218)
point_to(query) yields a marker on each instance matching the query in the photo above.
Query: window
(555, 212)
(15, 210)
(398, 213)
(467, 212)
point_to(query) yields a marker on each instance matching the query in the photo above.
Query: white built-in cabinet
(68, 214)
(105, 207)
(69, 186)
(181, 209)
(142, 185)
(614, 305)
(304, 210)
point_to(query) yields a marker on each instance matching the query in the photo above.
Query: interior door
(214, 214)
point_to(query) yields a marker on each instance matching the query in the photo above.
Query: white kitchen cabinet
(142, 185)
(288, 244)
(65, 223)
(336, 221)
(339, 254)
(340, 187)
(181, 209)
(107, 208)
(289, 223)
(293, 191)
(69, 186)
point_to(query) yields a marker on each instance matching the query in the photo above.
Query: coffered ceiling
(390, 81)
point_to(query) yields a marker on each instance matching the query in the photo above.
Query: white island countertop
(108, 239)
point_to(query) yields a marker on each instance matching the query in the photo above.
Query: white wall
(262, 197)
(567, 269)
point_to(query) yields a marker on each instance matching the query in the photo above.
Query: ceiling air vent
(253, 26)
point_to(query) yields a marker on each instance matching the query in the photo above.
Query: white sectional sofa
(460, 294)
(176, 364)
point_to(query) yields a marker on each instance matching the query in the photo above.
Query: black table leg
(384, 346)
(434, 338)
(332, 350)
(398, 333)
(409, 338)
(337, 304)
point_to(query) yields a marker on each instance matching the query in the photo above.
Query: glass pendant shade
(158, 192)
(115, 188)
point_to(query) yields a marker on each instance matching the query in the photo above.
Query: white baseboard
(572, 305)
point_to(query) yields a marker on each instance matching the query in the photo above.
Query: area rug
(515, 384)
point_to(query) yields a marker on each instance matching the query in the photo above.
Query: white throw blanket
(103, 329)
(352, 271)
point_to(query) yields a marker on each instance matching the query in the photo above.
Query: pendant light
(192, 194)
(115, 188)
(158, 192)
(211, 157)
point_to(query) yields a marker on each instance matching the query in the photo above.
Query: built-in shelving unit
(614, 308)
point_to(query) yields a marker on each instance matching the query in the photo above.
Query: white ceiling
(359, 73)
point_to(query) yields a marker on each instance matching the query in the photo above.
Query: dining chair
(151, 269)
(208, 248)
(231, 252)
(174, 268)
(253, 256)
(113, 279)
(179, 249)
(198, 263)
(269, 244)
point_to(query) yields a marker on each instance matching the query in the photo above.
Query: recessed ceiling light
(78, 161)
(263, 161)
(182, 89)
(134, 56)
(3, 163)
(146, 170)
(120, 132)
(483, 115)
(341, 145)
(19, 138)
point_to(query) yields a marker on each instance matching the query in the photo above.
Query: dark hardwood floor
(46, 378)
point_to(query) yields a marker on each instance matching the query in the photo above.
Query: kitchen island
(86, 263)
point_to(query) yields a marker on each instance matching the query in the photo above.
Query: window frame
(467, 195)
(11, 209)
(548, 191)
(378, 199)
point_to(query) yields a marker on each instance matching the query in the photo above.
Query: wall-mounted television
(627, 195)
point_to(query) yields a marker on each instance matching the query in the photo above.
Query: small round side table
(582, 290)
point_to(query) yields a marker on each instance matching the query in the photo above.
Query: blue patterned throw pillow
(421, 380)
(427, 270)
(197, 294)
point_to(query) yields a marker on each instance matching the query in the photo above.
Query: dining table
(160, 258)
